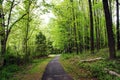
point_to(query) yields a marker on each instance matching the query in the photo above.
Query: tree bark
(118, 33)
(2, 34)
(96, 26)
(91, 27)
(27, 53)
(111, 41)
(74, 28)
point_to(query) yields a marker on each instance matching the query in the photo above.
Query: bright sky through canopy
(47, 16)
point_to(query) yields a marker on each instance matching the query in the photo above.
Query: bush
(66, 56)
(97, 69)
(7, 72)
(12, 59)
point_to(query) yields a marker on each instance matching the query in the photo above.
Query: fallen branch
(112, 72)
(92, 60)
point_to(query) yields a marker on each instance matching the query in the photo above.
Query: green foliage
(71, 17)
(41, 45)
(40, 38)
(7, 72)
(35, 68)
(50, 49)
(66, 56)
(98, 69)
(15, 72)
(98, 6)
(12, 59)
(94, 69)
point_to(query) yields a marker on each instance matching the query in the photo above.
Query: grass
(31, 71)
(90, 70)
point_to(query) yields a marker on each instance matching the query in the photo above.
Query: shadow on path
(54, 71)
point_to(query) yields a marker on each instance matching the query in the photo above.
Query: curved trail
(54, 71)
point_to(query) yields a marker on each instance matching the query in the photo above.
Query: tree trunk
(118, 36)
(96, 26)
(110, 7)
(2, 34)
(74, 27)
(27, 54)
(111, 41)
(91, 27)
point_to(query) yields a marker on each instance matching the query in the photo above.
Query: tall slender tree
(74, 26)
(7, 27)
(96, 26)
(91, 27)
(2, 29)
(28, 3)
(111, 41)
(2, 34)
(118, 33)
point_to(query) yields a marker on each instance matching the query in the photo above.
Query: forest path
(54, 71)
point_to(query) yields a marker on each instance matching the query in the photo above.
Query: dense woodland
(76, 26)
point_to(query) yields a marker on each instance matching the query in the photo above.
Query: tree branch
(31, 33)
(15, 23)
(16, 4)
(92, 60)
(9, 17)
(112, 72)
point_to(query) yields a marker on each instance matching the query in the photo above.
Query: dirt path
(54, 71)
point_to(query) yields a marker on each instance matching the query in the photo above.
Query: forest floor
(75, 66)
(31, 71)
(54, 71)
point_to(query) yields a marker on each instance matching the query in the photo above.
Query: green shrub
(12, 59)
(97, 69)
(67, 56)
(7, 72)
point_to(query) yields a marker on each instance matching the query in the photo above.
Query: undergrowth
(30, 71)
(90, 70)
(7, 72)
